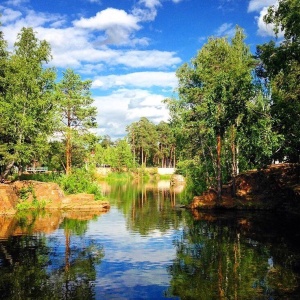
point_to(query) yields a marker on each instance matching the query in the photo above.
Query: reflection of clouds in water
(132, 262)
(111, 229)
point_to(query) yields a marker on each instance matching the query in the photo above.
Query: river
(147, 247)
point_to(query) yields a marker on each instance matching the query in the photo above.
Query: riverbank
(276, 187)
(46, 195)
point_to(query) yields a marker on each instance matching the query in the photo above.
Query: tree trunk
(170, 159)
(174, 158)
(234, 161)
(7, 169)
(219, 169)
(68, 153)
(68, 144)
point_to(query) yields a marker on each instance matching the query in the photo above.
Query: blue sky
(131, 49)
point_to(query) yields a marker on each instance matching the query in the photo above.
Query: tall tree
(76, 112)
(280, 67)
(142, 136)
(166, 145)
(213, 92)
(26, 101)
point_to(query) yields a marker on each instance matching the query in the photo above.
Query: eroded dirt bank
(50, 194)
(276, 187)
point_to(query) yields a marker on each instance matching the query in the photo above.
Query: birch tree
(26, 101)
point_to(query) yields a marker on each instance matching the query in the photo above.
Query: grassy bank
(79, 181)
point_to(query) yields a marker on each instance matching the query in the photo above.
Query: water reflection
(145, 247)
(236, 256)
(147, 207)
(36, 265)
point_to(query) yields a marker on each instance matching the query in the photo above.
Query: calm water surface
(145, 247)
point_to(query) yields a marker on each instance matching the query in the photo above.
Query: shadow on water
(34, 264)
(237, 255)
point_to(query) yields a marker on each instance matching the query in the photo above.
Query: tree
(123, 155)
(213, 92)
(75, 111)
(280, 69)
(166, 146)
(26, 101)
(142, 136)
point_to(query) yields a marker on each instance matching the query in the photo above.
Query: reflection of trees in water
(147, 207)
(216, 260)
(30, 269)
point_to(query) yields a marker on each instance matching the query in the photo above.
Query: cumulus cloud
(125, 106)
(137, 79)
(263, 28)
(261, 7)
(148, 59)
(9, 15)
(117, 25)
(258, 5)
(83, 44)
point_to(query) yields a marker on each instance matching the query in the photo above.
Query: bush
(25, 204)
(80, 181)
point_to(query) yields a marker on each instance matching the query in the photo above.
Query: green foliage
(280, 70)
(213, 94)
(43, 177)
(75, 112)
(118, 176)
(24, 202)
(118, 156)
(24, 192)
(195, 175)
(142, 136)
(80, 181)
(26, 100)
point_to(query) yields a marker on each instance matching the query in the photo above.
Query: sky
(131, 49)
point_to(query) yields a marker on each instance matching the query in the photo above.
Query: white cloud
(226, 29)
(263, 28)
(83, 46)
(148, 59)
(137, 79)
(258, 5)
(117, 25)
(146, 10)
(262, 8)
(150, 3)
(124, 106)
(108, 18)
(9, 15)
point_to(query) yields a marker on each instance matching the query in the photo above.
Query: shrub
(80, 181)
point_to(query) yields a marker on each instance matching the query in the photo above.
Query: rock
(51, 195)
(8, 199)
(274, 188)
(43, 191)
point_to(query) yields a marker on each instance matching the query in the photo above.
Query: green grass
(79, 181)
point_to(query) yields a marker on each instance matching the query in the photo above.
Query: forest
(233, 110)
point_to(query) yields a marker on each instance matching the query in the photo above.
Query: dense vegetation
(235, 111)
